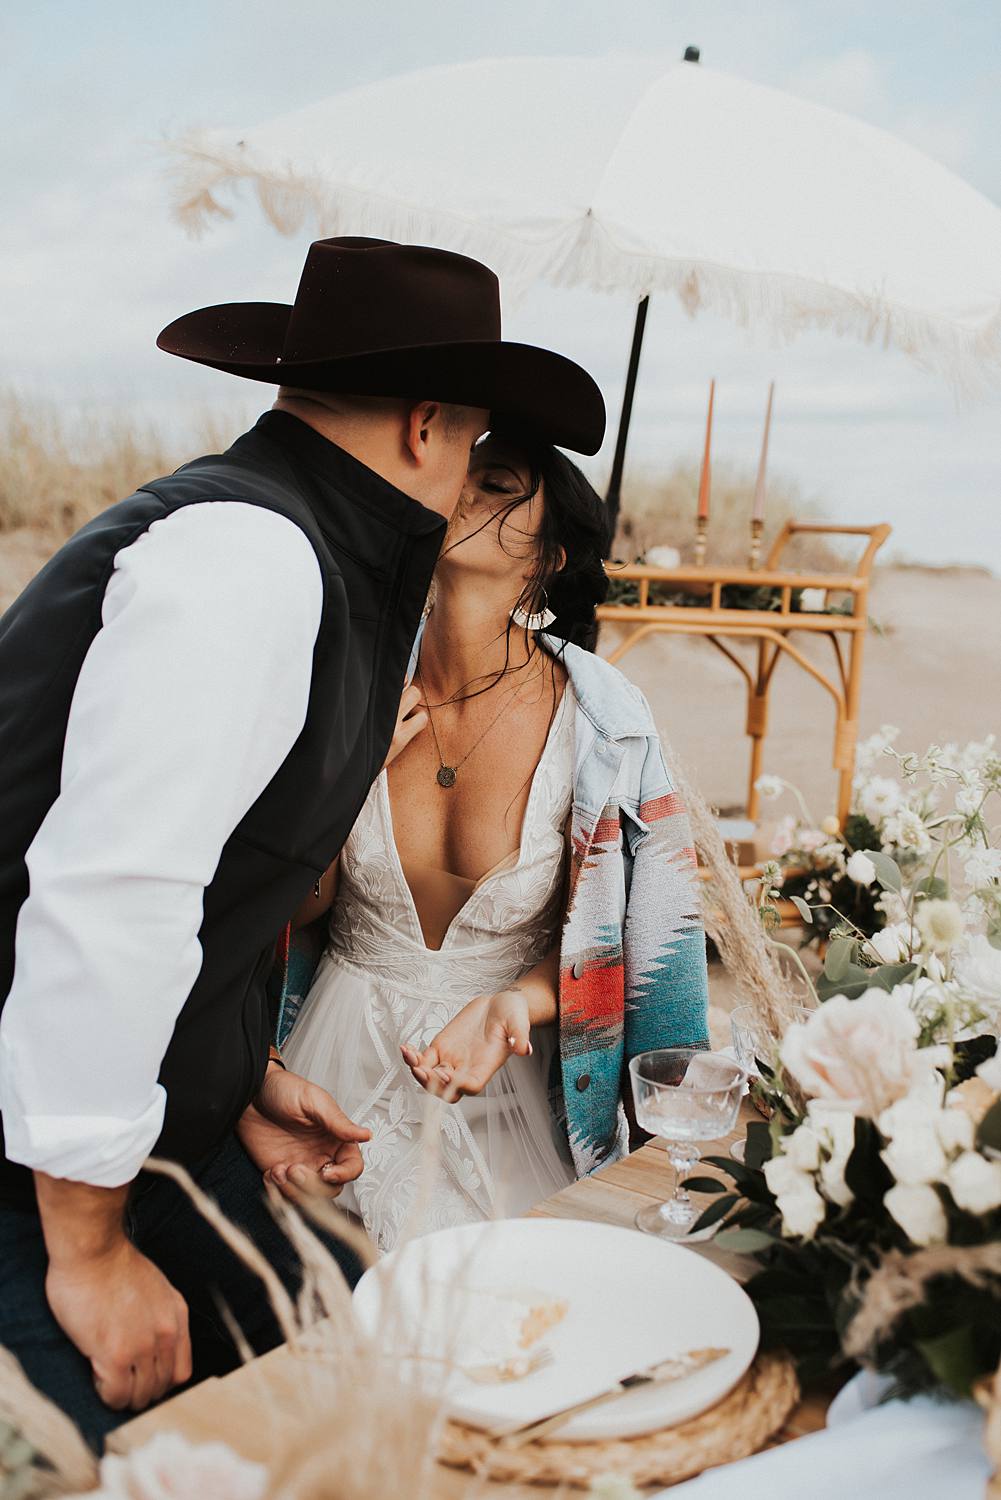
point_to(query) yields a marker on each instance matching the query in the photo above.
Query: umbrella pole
(614, 494)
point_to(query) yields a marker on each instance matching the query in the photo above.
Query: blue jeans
(166, 1227)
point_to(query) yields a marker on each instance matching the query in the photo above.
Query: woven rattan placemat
(734, 1428)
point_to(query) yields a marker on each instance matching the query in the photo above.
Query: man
(195, 695)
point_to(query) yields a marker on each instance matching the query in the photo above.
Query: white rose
(978, 970)
(955, 1129)
(783, 1176)
(975, 1183)
(919, 1212)
(940, 924)
(892, 944)
(879, 796)
(861, 1052)
(860, 868)
(663, 557)
(915, 1156)
(802, 1211)
(813, 601)
(769, 787)
(803, 1149)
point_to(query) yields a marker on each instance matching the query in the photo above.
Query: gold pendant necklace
(446, 774)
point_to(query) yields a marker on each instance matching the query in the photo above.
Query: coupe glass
(753, 1042)
(685, 1096)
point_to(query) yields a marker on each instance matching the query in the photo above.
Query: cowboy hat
(374, 318)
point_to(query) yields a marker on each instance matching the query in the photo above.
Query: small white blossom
(662, 557)
(769, 787)
(955, 1130)
(969, 795)
(835, 1129)
(783, 1176)
(860, 868)
(803, 1211)
(915, 1156)
(879, 797)
(892, 944)
(875, 746)
(919, 1212)
(830, 826)
(940, 924)
(981, 867)
(813, 601)
(904, 829)
(782, 840)
(803, 1148)
(975, 1183)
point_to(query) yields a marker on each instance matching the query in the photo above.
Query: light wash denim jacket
(632, 973)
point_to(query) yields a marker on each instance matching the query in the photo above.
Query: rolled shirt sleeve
(190, 697)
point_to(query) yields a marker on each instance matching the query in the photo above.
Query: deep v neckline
(502, 865)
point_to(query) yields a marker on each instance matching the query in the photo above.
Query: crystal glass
(754, 1041)
(685, 1096)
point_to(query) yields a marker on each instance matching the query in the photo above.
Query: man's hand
(300, 1138)
(123, 1315)
(409, 722)
(473, 1046)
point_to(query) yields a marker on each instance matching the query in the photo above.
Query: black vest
(376, 549)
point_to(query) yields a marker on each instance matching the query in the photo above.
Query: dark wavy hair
(568, 573)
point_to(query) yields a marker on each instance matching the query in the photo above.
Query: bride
(514, 914)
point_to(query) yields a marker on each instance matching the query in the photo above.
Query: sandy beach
(932, 667)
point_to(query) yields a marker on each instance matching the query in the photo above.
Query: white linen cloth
(378, 986)
(906, 1450)
(642, 174)
(191, 695)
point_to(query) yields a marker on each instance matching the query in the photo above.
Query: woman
(516, 911)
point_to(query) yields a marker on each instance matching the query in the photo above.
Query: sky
(92, 265)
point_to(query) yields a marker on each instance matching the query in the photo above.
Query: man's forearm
(80, 1222)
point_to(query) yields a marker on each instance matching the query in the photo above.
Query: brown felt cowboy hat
(373, 318)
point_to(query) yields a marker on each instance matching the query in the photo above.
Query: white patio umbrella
(619, 174)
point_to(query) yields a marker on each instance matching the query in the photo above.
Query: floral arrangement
(927, 819)
(872, 1198)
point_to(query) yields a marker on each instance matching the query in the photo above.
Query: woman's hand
(473, 1046)
(409, 722)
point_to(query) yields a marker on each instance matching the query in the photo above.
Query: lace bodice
(379, 986)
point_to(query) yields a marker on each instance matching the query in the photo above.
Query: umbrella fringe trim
(968, 359)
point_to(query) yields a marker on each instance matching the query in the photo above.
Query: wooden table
(225, 1407)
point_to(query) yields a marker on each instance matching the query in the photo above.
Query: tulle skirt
(427, 1165)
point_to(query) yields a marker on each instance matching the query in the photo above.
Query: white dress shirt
(190, 697)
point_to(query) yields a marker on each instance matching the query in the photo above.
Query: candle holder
(757, 527)
(702, 528)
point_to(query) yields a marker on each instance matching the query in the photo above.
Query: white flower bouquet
(872, 1199)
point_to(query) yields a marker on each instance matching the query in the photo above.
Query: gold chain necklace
(446, 774)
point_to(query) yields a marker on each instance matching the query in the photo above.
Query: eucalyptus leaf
(744, 1241)
(704, 1185)
(715, 1212)
(952, 1358)
(887, 870)
(838, 959)
(802, 908)
(932, 887)
(888, 976)
(854, 983)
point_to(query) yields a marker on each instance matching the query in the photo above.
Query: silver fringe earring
(540, 621)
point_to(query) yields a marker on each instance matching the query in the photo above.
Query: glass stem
(683, 1158)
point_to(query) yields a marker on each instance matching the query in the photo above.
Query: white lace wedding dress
(378, 986)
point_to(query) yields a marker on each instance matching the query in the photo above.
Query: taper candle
(758, 510)
(705, 476)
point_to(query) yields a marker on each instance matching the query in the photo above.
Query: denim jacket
(632, 972)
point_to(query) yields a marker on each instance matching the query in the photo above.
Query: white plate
(632, 1301)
